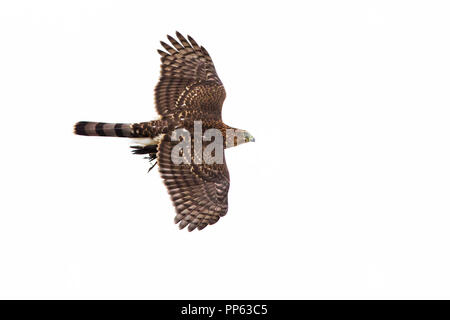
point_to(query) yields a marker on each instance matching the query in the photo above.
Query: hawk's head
(248, 137)
(235, 137)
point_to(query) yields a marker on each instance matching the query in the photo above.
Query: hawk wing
(189, 87)
(198, 192)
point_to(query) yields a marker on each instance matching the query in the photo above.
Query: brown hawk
(189, 92)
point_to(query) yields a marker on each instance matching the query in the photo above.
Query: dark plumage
(188, 90)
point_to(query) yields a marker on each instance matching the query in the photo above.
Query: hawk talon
(150, 150)
(151, 167)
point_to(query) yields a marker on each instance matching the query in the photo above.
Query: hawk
(189, 92)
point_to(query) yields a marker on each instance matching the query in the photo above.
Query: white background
(345, 193)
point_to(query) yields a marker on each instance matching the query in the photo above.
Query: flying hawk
(189, 90)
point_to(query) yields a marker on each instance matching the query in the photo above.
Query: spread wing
(189, 87)
(199, 192)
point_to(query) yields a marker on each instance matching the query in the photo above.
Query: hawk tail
(87, 128)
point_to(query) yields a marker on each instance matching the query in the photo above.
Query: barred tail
(86, 128)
